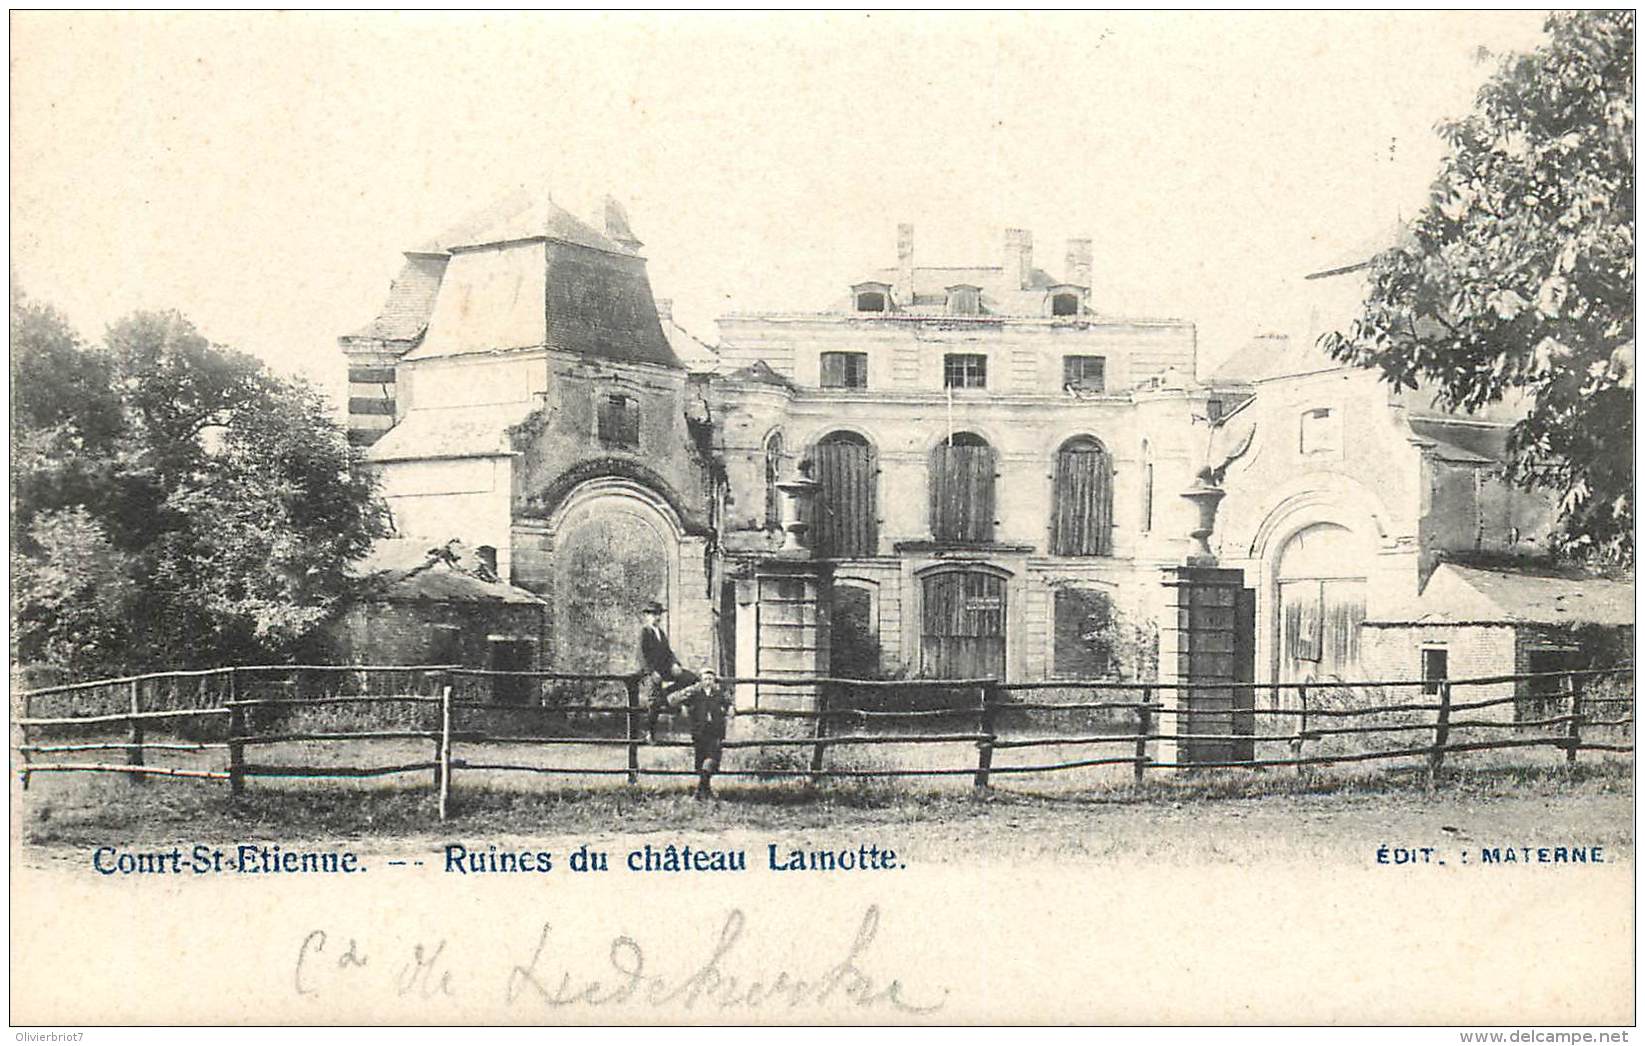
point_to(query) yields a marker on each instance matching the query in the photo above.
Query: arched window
(1147, 487)
(962, 489)
(1065, 304)
(773, 473)
(847, 520)
(1082, 500)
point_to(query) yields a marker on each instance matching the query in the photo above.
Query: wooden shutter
(1083, 502)
(846, 513)
(962, 492)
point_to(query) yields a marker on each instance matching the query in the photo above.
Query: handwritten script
(722, 976)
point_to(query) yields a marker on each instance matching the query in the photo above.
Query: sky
(261, 173)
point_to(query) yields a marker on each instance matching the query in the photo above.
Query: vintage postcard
(823, 519)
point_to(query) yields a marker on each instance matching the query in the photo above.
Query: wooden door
(964, 626)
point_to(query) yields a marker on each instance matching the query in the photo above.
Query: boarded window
(854, 646)
(964, 300)
(510, 655)
(847, 518)
(964, 371)
(1436, 668)
(870, 301)
(1080, 647)
(964, 626)
(1082, 500)
(619, 421)
(773, 473)
(1085, 373)
(962, 489)
(844, 370)
(1065, 304)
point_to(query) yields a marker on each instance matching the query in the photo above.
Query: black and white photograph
(946, 518)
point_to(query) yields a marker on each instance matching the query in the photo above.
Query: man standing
(709, 708)
(658, 663)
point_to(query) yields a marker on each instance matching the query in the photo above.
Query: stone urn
(1205, 496)
(797, 491)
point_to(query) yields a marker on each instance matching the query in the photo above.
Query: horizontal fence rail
(1136, 725)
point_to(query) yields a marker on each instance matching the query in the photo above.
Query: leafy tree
(1518, 276)
(174, 503)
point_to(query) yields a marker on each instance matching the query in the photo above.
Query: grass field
(1210, 816)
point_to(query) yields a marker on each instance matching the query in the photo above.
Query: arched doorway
(963, 624)
(1319, 601)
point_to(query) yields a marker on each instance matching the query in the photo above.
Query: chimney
(1078, 267)
(904, 290)
(1019, 256)
(616, 225)
(665, 309)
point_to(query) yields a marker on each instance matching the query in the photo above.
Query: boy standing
(710, 708)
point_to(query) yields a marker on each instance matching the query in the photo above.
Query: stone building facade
(950, 472)
(998, 460)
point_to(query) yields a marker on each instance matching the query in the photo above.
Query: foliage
(1518, 276)
(1132, 643)
(173, 501)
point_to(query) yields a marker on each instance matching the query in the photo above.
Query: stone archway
(615, 549)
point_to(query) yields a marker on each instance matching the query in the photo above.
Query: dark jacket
(655, 652)
(707, 706)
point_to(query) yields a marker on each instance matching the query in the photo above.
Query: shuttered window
(844, 370)
(847, 518)
(962, 489)
(1082, 500)
(620, 421)
(964, 626)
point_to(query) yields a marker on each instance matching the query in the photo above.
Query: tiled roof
(1460, 593)
(450, 432)
(1461, 441)
(693, 353)
(523, 215)
(410, 301)
(1269, 356)
(760, 373)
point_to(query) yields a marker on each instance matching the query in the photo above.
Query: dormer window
(1065, 301)
(964, 299)
(871, 297)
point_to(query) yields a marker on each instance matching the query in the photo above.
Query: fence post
(1573, 728)
(444, 769)
(1302, 728)
(23, 733)
(1442, 734)
(820, 734)
(632, 685)
(1145, 719)
(985, 726)
(442, 686)
(236, 730)
(134, 754)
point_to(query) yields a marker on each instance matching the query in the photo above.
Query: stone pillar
(782, 630)
(1198, 639)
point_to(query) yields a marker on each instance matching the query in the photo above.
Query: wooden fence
(242, 709)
